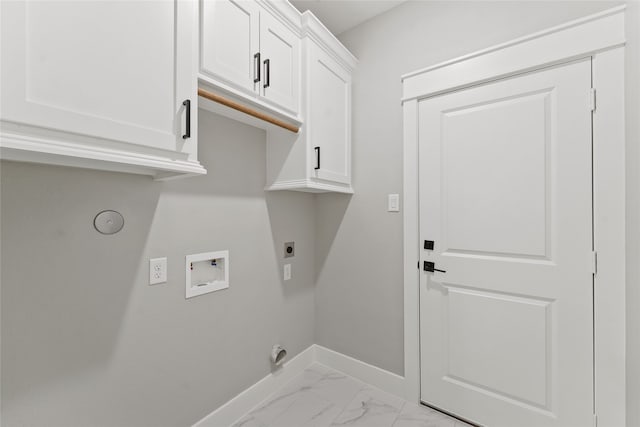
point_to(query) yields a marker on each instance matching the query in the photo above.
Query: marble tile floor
(321, 397)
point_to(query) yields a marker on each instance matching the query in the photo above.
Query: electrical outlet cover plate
(206, 272)
(289, 249)
(157, 270)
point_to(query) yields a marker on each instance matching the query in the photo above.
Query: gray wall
(87, 342)
(359, 291)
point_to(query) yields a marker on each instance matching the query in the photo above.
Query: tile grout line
(399, 413)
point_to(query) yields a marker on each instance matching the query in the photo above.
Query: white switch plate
(393, 203)
(287, 272)
(157, 270)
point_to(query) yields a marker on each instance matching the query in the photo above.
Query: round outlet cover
(108, 222)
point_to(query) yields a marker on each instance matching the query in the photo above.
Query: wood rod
(244, 109)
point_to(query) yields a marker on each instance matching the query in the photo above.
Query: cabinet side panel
(286, 156)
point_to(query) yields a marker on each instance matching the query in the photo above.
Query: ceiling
(341, 15)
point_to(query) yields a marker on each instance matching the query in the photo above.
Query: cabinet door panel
(92, 68)
(281, 48)
(229, 40)
(330, 117)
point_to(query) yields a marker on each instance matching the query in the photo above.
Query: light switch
(287, 272)
(393, 203)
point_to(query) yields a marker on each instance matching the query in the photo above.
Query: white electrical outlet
(287, 272)
(157, 270)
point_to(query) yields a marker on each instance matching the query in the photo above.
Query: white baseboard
(377, 377)
(231, 411)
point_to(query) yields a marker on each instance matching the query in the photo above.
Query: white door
(230, 42)
(329, 117)
(280, 49)
(505, 195)
(117, 71)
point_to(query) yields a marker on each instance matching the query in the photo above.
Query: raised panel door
(230, 41)
(280, 50)
(506, 330)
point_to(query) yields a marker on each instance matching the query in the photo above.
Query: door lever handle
(431, 267)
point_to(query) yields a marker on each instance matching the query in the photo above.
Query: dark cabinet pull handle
(431, 267)
(187, 130)
(256, 67)
(267, 72)
(317, 157)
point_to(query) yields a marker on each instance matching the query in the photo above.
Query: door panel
(477, 328)
(229, 39)
(281, 47)
(505, 193)
(489, 161)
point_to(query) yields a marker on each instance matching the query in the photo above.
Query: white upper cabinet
(230, 42)
(268, 65)
(329, 116)
(280, 54)
(108, 82)
(250, 51)
(318, 159)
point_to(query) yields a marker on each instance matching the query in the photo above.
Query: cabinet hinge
(592, 99)
(594, 262)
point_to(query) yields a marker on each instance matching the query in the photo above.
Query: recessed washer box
(206, 272)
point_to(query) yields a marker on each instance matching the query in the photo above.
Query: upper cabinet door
(111, 70)
(280, 49)
(230, 41)
(329, 117)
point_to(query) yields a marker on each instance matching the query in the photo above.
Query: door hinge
(594, 262)
(595, 420)
(592, 99)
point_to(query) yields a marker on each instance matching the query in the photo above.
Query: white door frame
(602, 37)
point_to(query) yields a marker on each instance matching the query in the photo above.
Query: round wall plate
(108, 222)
